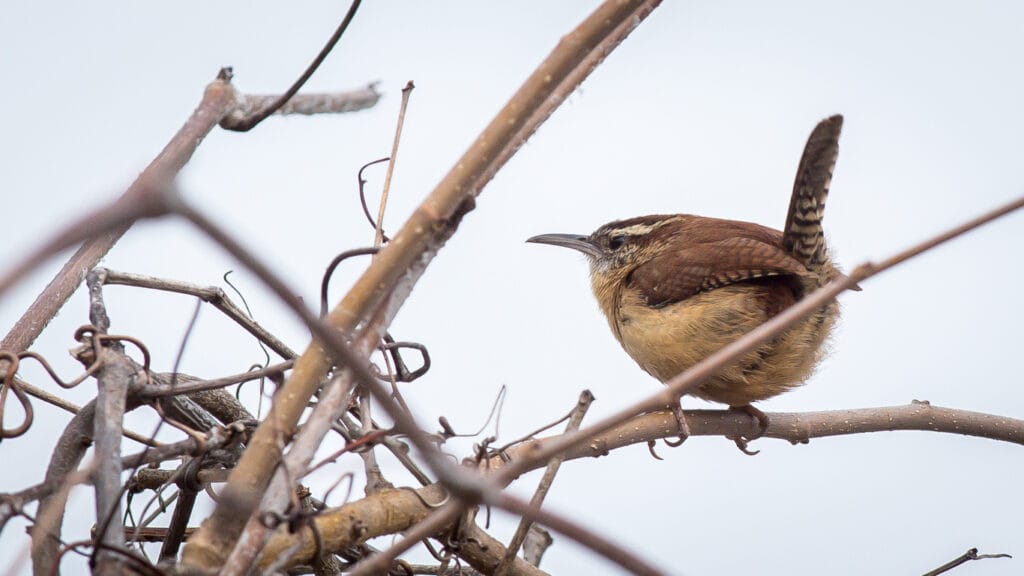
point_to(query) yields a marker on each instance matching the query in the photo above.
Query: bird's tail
(803, 236)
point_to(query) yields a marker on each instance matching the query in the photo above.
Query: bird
(676, 288)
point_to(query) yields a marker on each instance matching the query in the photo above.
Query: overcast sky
(703, 110)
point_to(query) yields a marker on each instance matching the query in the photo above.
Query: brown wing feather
(680, 274)
(802, 235)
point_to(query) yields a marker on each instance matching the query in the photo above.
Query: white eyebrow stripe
(640, 229)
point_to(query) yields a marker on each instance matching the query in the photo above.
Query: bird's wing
(679, 274)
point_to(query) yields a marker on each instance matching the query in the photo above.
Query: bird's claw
(762, 421)
(681, 425)
(741, 443)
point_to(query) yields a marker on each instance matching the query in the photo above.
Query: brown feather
(712, 255)
(802, 235)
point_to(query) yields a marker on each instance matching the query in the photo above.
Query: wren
(676, 288)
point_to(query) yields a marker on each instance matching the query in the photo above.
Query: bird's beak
(574, 241)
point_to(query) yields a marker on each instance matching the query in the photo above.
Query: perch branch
(793, 427)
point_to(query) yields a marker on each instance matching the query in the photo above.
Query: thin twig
(212, 295)
(966, 557)
(192, 386)
(607, 548)
(582, 405)
(72, 446)
(378, 236)
(397, 448)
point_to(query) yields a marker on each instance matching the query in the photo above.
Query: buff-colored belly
(667, 341)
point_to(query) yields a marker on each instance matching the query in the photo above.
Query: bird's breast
(667, 340)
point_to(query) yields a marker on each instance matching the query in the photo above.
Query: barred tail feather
(803, 236)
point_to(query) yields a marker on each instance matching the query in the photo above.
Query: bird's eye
(616, 242)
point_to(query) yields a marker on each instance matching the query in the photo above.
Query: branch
(795, 427)
(211, 295)
(387, 512)
(966, 557)
(586, 398)
(191, 385)
(611, 550)
(114, 379)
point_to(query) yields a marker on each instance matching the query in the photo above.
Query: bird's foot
(762, 420)
(681, 425)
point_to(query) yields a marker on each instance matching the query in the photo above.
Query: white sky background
(704, 110)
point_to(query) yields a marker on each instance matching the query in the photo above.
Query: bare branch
(378, 236)
(582, 405)
(308, 104)
(966, 557)
(211, 295)
(192, 385)
(794, 427)
(385, 512)
(603, 546)
(115, 378)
